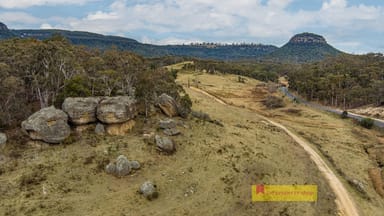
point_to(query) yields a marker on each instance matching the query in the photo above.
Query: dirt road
(343, 200)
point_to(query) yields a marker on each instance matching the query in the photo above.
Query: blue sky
(353, 26)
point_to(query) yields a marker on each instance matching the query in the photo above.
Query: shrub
(367, 123)
(344, 114)
(273, 102)
(185, 105)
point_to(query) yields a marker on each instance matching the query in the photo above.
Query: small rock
(134, 165)
(149, 190)
(110, 168)
(172, 132)
(3, 138)
(149, 138)
(100, 129)
(359, 185)
(123, 167)
(164, 144)
(167, 124)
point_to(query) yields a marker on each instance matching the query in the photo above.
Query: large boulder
(3, 139)
(49, 125)
(168, 105)
(112, 110)
(81, 110)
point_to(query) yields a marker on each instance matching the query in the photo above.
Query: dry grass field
(344, 144)
(210, 173)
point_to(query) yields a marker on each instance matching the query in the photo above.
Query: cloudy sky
(353, 26)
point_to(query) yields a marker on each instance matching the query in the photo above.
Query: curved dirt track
(344, 202)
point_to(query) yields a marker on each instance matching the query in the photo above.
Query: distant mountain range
(301, 48)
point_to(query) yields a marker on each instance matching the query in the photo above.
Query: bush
(367, 123)
(344, 114)
(185, 106)
(273, 102)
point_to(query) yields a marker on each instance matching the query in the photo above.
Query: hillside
(301, 48)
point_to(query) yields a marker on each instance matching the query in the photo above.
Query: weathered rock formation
(112, 110)
(168, 105)
(49, 125)
(81, 110)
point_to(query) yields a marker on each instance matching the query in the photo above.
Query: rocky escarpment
(307, 38)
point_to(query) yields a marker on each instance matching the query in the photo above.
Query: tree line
(345, 81)
(36, 74)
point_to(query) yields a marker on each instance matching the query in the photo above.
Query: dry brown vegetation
(341, 142)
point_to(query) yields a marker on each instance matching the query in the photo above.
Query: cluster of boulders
(113, 115)
(122, 166)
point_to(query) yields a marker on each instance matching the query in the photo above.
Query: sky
(353, 26)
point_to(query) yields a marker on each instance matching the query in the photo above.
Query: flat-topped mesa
(3, 27)
(308, 38)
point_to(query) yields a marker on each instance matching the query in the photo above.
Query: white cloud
(334, 4)
(46, 26)
(99, 15)
(29, 3)
(18, 17)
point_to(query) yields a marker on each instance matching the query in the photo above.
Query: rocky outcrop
(3, 139)
(120, 129)
(149, 190)
(168, 105)
(112, 110)
(49, 125)
(304, 38)
(81, 110)
(164, 144)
